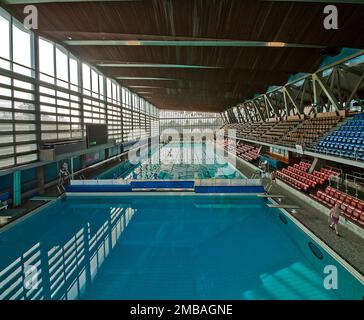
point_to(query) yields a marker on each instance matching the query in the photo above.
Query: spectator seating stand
(347, 141)
(298, 177)
(352, 207)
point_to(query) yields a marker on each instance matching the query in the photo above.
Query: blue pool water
(163, 247)
(177, 161)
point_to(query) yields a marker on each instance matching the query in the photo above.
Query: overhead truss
(330, 89)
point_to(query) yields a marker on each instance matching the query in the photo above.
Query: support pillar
(16, 188)
(313, 166)
(72, 170)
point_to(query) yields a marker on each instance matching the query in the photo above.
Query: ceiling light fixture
(144, 87)
(133, 43)
(276, 44)
(190, 43)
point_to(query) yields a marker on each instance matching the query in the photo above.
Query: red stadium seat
(361, 219)
(356, 214)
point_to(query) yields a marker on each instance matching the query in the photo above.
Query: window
(189, 120)
(86, 79)
(46, 60)
(62, 68)
(17, 112)
(22, 49)
(60, 109)
(74, 74)
(63, 105)
(5, 40)
(114, 113)
(93, 106)
(95, 83)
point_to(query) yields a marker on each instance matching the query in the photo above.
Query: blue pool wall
(177, 184)
(229, 189)
(164, 184)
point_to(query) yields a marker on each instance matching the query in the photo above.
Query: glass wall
(181, 120)
(18, 134)
(59, 102)
(47, 94)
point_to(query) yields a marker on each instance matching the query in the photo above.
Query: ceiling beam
(191, 43)
(155, 65)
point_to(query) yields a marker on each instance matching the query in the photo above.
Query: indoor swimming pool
(165, 247)
(173, 161)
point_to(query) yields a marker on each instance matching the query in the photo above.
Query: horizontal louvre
(71, 94)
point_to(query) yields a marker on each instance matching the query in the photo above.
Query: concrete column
(16, 188)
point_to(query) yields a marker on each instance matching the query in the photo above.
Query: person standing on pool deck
(335, 213)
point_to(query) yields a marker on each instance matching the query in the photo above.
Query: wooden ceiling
(239, 71)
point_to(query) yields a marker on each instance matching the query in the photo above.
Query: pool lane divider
(196, 186)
